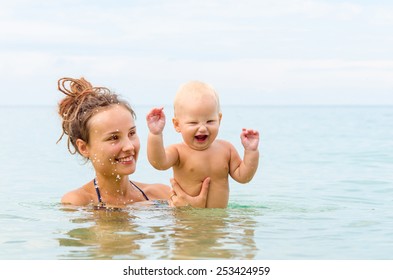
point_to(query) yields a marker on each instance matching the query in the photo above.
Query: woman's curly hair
(82, 101)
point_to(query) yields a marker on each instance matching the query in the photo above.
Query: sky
(253, 52)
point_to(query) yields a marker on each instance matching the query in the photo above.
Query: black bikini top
(101, 203)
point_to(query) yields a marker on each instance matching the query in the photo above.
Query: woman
(101, 128)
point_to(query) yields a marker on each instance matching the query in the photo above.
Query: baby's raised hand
(156, 120)
(250, 139)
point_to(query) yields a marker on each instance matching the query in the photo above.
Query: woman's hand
(179, 198)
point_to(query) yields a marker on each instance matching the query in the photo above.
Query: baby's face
(198, 121)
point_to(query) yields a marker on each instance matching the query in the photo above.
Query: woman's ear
(176, 124)
(82, 148)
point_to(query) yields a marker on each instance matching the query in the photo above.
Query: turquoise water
(324, 190)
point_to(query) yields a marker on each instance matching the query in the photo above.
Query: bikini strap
(99, 194)
(97, 190)
(145, 196)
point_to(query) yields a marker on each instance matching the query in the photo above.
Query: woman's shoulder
(155, 191)
(78, 197)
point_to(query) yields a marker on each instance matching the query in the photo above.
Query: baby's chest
(205, 164)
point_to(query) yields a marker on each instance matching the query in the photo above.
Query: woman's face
(114, 144)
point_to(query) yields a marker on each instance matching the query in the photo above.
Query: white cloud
(124, 22)
(147, 80)
(382, 16)
(287, 46)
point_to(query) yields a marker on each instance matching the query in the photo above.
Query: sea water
(323, 190)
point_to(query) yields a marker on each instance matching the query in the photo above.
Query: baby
(197, 117)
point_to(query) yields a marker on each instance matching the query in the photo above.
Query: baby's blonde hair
(195, 90)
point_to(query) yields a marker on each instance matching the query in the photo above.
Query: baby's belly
(218, 193)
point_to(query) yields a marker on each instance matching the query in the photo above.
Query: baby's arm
(159, 157)
(244, 171)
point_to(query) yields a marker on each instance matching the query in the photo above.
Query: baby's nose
(202, 127)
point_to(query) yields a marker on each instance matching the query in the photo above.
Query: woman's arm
(180, 198)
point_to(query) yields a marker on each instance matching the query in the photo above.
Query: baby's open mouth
(201, 138)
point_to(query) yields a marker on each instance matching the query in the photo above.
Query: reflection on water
(159, 232)
(212, 233)
(103, 235)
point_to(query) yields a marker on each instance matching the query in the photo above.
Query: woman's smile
(126, 160)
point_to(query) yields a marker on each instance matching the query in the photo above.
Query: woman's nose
(128, 145)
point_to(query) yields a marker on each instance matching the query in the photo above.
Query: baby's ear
(219, 117)
(176, 124)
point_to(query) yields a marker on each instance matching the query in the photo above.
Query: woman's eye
(114, 137)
